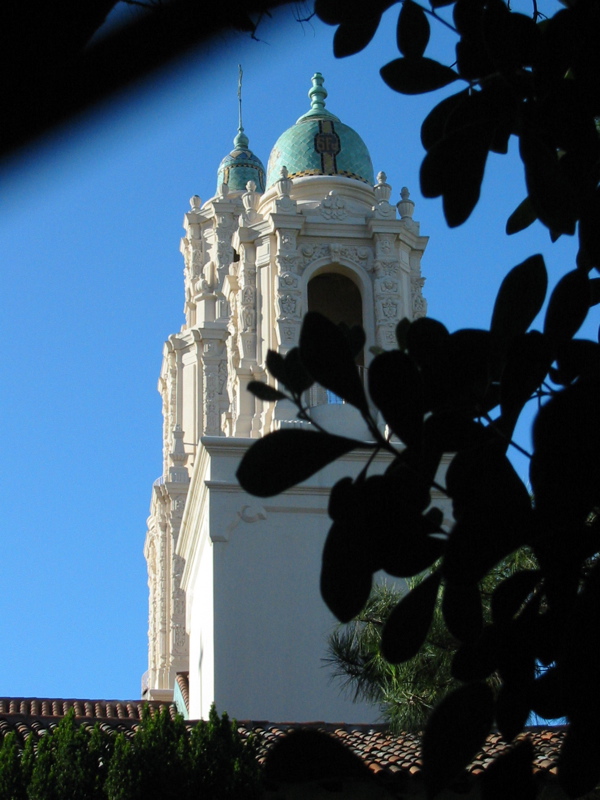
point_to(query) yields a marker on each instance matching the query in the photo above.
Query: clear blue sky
(89, 232)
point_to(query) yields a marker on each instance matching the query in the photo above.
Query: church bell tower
(234, 598)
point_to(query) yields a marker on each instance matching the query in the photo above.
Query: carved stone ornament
(382, 192)
(387, 285)
(250, 201)
(333, 206)
(283, 186)
(288, 304)
(419, 304)
(406, 206)
(361, 257)
(287, 240)
(386, 267)
(287, 280)
(389, 308)
(284, 183)
(248, 319)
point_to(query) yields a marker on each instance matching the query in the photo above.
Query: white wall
(270, 623)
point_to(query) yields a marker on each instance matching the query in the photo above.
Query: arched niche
(342, 295)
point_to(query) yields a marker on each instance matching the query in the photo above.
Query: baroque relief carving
(361, 257)
(333, 206)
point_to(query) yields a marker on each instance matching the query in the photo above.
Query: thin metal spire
(241, 140)
(240, 76)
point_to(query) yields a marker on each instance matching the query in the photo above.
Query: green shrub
(163, 759)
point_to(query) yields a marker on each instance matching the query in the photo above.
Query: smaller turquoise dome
(241, 166)
(319, 144)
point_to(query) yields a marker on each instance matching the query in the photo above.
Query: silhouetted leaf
(488, 496)
(352, 37)
(467, 17)
(511, 38)
(565, 468)
(568, 307)
(265, 392)
(527, 363)
(472, 59)
(578, 358)
(408, 624)
(517, 657)
(356, 338)
(520, 298)
(346, 579)
(456, 730)
(578, 763)
(327, 355)
(425, 338)
(287, 457)
(546, 183)
(510, 775)
(413, 30)
(451, 432)
(522, 217)
(340, 499)
(276, 366)
(454, 167)
(589, 234)
(437, 122)
(512, 710)
(409, 552)
(337, 12)
(416, 75)
(469, 355)
(297, 378)
(402, 333)
(463, 612)
(396, 388)
(476, 661)
(510, 595)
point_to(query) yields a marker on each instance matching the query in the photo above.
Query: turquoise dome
(319, 144)
(241, 166)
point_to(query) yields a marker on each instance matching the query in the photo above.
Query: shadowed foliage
(536, 78)
(464, 392)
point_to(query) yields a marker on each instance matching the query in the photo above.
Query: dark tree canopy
(462, 392)
(55, 65)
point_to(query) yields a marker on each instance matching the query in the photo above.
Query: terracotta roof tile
(393, 758)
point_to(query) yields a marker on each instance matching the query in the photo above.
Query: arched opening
(338, 298)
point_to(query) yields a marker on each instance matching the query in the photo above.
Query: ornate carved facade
(323, 234)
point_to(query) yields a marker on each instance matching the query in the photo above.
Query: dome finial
(241, 140)
(317, 93)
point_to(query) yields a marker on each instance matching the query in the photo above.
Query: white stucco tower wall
(234, 580)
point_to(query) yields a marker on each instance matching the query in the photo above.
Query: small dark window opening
(337, 298)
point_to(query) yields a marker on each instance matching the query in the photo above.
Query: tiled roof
(383, 751)
(33, 715)
(393, 759)
(94, 709)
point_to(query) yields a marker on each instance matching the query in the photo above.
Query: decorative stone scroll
(388, 295)
(288, 299)
(361, 257)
